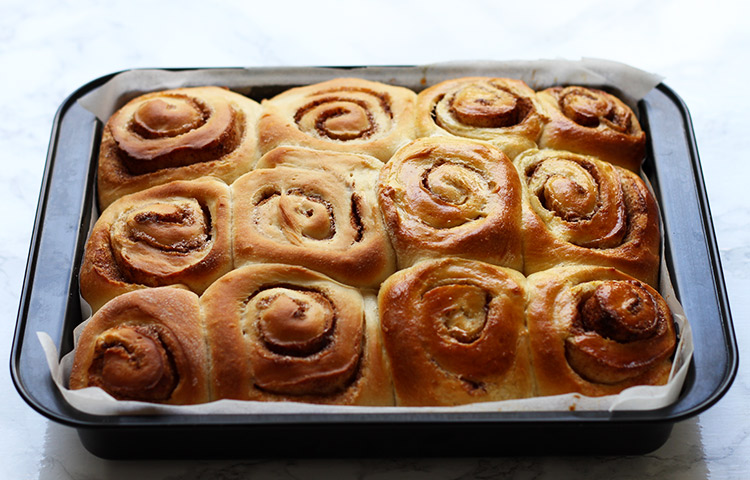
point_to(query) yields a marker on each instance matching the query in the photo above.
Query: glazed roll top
(344, 114)
(597, 331)
(581, 210)
(172, 234)
(178, 134)
(592, 122)
(282, 332)
(316, 209)
(146, 345)
(454, 332)
(447, 196)
(502, 111)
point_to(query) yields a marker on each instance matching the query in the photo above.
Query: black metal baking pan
(50, 303)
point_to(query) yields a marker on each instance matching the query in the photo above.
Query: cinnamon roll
(178, 134)
(344, 114)
(597, 331)
(454, 333)
(173, 234)
(592, 122)
(147, 345)
(316, 209)
(285, 333)
(502, 111)
(580, 210)
(451, 196)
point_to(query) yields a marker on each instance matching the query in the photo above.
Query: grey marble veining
(48, 49)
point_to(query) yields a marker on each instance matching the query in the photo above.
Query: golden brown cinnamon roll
(316, 209)
(592, 122)
(344, 114)
(173, 234)
(178, 134)
(454, 332)
(147, 345)
(451, 196)
(501, 111)
(284, 333)
(597, 331)
(581, 210)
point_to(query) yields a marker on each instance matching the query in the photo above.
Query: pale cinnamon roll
(502, 111)
(316, 209)
(454, 332)
(597, 331)
(147, 345)
(344, 114)
(451, 196)
(173, 234)
(285, 333)
(178, 134)
(592, 122)
(580, 210)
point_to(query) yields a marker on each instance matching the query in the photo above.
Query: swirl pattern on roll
(454, 332)
(449, 196)
(177, 134)
(173, 234)
(146, 345)
(316, 209)
(281, 332)
(501, 111)
(344, 114)
(597, 331)
(592, 122)
(581, 210)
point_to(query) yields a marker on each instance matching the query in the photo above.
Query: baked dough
(592, 122)
(174, 234)
(597, 331)
(316, 209)
(351, 242)
(343, 114)
(285, 333)
(451, 196)
(579, 210)
(146, 345)
(178, 134)
(455, 333)
(502, 111)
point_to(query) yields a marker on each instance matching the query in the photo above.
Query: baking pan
(50, 303)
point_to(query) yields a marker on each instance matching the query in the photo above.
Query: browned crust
(227, 163)
(431, 367)
(101, 278)
(638, 252)
(435, 116)
(623, 148)
(493, 236)
(554, 300)
(357, 251)
(178, 313)
(390, 112)
(237, 356)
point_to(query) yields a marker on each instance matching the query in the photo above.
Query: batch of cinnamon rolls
(357, 243)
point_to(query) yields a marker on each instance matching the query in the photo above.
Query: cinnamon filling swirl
(154, 241)
(299, 342)
(169, 131)
(135, 363)
(622, 330)
(590, 107)
(336, 116)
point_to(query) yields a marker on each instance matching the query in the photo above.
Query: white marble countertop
(48, 49)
